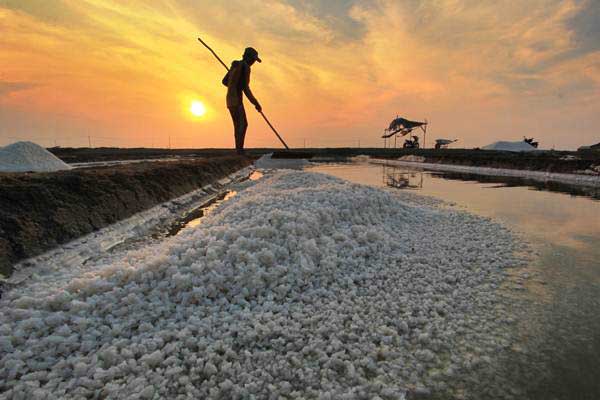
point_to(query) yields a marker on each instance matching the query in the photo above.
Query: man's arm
(225, 80)
(247, 90)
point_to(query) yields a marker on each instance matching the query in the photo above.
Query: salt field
(325, 283)
(300, 199)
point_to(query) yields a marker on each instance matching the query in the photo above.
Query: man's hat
(251, 54)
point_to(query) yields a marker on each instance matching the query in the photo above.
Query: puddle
(196, 216)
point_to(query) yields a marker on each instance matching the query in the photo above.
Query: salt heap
(28, 156)
(302, 286)
(268, 162)
(362, 158)
(510, 146)
(412, 158)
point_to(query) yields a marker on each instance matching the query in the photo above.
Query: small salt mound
(28, 156)
(360, 158)
(412, 158)
(267, 162)
(510, 146)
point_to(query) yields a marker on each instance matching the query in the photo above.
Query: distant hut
(444, 143)
(402, 127)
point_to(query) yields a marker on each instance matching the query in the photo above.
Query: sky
(334, 73)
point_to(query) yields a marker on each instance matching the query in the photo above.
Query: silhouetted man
(237, 81)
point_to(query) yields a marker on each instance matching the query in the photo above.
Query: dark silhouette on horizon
(237, 81)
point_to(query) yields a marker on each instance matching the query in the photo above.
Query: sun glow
(197, 108)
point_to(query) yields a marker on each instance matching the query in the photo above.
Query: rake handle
(274, 130)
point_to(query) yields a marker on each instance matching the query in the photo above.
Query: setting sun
(197, 108)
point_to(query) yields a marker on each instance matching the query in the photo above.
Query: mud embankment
(561, 162)
(543, 161)
(103, 154)
(39, 211)
(571, 162)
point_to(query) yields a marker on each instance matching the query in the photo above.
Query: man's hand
(258, 107)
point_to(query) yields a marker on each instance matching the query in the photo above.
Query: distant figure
(237, 81)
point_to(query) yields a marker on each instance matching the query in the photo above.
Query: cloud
(585, 24)
(335, 15)
(56, 12)
(7, 88)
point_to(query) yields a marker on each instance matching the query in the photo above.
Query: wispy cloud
(7, 88)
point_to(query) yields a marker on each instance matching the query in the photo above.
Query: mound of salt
(360, 158)
(412, 158)
(267, 162)
(302, 286)
(29, 157)
(509, 146)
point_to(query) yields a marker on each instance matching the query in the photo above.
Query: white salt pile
(302, 286)
(29, 157)
(362, 158)
(510, 146)
(412, 158)
(267, 162)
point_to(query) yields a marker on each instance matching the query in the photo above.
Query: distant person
(237, 81)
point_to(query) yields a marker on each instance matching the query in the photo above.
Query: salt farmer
(237, 81)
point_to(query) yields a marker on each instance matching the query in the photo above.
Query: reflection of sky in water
(207, 210)
(549, 217)
(196, 217)
(256, 175)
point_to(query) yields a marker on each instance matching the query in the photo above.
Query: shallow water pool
(558, 351)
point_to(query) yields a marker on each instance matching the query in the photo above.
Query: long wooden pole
(214, 54)
(261, 113)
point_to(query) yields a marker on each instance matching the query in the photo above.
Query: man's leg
(233, 113)
(241, 130)
(240, 124)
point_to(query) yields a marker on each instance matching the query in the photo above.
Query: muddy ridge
(39, 211)
(547, 161)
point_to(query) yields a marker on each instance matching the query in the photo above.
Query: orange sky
(333, 72)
